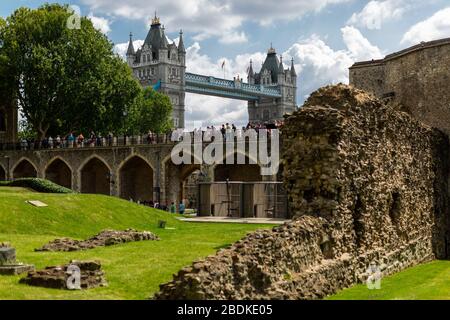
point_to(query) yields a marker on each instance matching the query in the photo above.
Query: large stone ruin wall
(367, 184)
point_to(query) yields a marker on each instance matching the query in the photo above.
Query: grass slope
(133, 270)
(429, 281)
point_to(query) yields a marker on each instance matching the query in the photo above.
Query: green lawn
(430, 281)
(133, 270)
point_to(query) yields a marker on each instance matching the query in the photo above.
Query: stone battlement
(398, 54)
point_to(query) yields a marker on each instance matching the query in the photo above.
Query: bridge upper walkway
(235, 89)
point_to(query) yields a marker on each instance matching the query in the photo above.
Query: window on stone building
(2, 120)
(148, 57)
(175, 122)
(154, 55)
(152, 70)
(394, 211)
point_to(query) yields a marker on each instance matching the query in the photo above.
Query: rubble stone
(56, 277)
(367, 184)
(104, 238)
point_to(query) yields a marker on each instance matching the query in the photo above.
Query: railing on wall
(120, 141)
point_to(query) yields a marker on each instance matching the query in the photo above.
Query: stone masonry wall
(415, 80)
(367, 184)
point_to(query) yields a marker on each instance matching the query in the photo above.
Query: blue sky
(323, 36)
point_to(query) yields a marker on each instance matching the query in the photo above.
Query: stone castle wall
(367, 183)
(416, 80)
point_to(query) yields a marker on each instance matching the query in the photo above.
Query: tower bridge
(271, 93)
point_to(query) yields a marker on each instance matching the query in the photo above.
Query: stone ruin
(367, 184)
(8, 263)
(57, 277)
(104, 238)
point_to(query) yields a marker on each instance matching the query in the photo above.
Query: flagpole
(223, 68)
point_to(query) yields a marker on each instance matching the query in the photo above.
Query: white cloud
(359, 47)
(121, 48)
(233, 38)
(206, 18)
(435, 27)
(375, 13)
(316, 63)
(100, 23)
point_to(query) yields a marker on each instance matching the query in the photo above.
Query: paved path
(235, 220)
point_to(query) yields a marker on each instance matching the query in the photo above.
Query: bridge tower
(162, 65)
(273, 75)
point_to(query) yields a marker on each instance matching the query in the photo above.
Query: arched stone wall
(24, 169)
(59, 172)
(136, 179)
(175, 178)
(95, 177)
(157, 157)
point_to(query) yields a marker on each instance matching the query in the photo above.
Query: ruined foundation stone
(8, 263)
(56, 276)
(104, 238)
(367, 184)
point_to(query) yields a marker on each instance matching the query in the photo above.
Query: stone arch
(136, 179)
(95, 176)
(175, 180)
(24, 168)
(59, 172)
(237, 172)
(2, 173)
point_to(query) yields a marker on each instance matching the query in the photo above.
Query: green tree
(152, 111)
(64, 79)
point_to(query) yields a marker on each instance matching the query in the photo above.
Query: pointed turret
(164, 42)
(251, 74)
(181, 43)
(281, 67)
(130, 51)
(293, 73)
(270, 65)
(250, 69)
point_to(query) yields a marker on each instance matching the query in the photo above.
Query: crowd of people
(227, 130)
(72, 139)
